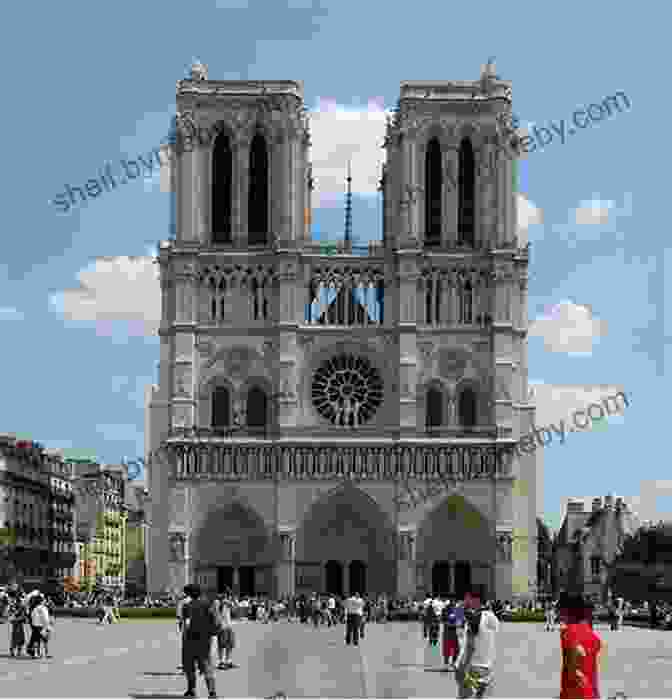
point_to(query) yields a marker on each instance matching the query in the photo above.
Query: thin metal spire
(348, 207)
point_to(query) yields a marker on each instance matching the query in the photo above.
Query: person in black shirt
(200, 626)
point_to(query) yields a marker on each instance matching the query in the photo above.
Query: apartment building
(36, 514)
(101, 532)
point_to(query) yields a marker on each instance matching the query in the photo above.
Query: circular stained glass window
(347, 390)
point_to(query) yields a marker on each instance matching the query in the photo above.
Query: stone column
(406, 579)
(178, 566)
(286, 565)
(186, 196)
(449, 201)
(241, 185)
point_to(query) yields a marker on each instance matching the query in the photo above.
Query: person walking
(426, 616)
(225, 635)
(39, 623)
(331, 611)
(620, 612)
(581, 649)
(451, 645)
(18, 618)
(200, 626)
(474, 669)
(353, 609)
(180, 623)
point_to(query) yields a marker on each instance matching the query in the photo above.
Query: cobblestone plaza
(139, 659)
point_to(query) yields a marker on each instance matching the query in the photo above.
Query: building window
(258, 192)
(467, 408)
(595, 567)
(257, 407)
(433, 190)
(434, 413)
(221, 407)
(465, 217)
(222, 178)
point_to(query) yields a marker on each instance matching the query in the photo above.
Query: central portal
(357, 577)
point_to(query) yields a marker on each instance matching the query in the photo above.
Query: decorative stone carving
(181, 416)
(452, 362)
(239, 361)
(504, 547)
(183, 380)
(288, 543)
(407, 546)
(206, 348)
(177, 542)
(199, 71)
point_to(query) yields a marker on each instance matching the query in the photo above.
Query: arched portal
(334, 577)
(347, 525)
(455, 532)
(235, 541)
(441, 583)
(357, 577)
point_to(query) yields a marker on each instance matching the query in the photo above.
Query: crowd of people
(33, 611)
(464, 631)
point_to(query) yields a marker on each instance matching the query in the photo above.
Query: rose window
(347, 390)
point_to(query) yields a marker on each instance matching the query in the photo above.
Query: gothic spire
(348, 207)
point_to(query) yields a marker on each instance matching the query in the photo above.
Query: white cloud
(115, 289)
(118, 383)
(558, 402)
(526, 215)
(568, 327)
(10, 314)
(593, 212)
(340, 134)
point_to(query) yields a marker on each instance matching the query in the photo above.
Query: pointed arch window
(221, 407)
(433, 188)
(434, 408)
(258, 192)
(467, 408)
(467, 181)
(222, 189)
(257, 408)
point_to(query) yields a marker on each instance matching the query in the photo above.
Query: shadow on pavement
(162, 674)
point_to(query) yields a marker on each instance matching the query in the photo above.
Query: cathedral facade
(332, 421)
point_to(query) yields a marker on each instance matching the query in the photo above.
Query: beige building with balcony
(301, 394)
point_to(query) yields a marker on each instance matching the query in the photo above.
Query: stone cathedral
(333, 421)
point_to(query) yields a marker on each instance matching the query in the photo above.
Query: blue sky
(97, 84)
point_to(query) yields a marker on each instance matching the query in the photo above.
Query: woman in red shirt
(581, 648)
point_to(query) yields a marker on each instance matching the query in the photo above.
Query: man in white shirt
(354, 608)
(40, 624)
(331, 611)
(475, 664)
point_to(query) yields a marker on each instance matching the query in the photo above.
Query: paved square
(139, 658)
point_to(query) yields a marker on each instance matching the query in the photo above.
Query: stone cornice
(251, 88)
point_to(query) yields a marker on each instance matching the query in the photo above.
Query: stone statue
(199, 71)
(177, 546)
